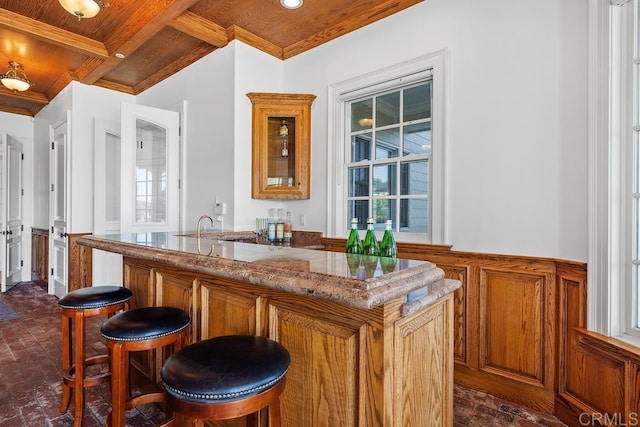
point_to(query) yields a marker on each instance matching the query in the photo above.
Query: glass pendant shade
(83, 8)
(14, 79)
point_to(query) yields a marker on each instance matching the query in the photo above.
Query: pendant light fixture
(15, 79)
(83, 8)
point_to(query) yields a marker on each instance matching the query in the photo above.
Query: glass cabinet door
(281, 146)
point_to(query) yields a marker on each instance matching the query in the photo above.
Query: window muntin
(394, 183)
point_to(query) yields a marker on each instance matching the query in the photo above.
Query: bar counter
(315, 273)
(368, 347)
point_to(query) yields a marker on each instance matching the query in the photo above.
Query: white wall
(89, 103)
(208, 88)
(516, 168)
(86, 104)
(268, 79)
(516, 153)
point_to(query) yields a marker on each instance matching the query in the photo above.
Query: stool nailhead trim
(226, 395)
(145, 337)
(97, 305)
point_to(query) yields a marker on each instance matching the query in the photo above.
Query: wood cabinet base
(349, 367)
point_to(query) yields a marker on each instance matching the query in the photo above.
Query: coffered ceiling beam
(150, 18)
(200, 28)
(51, 34)
(28, 95)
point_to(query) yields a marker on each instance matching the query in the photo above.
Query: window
(388, 160)
(387, 150)
(151, 173)
(633, 179)
(614, 170)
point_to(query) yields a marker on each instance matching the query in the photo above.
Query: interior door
(59, 219)
(150, 166)
(11, 211)
(107, 266)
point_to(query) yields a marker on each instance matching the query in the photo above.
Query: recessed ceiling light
(119, 55)
(291, 4)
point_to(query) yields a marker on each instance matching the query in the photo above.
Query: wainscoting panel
(512, 333)
(505, 320)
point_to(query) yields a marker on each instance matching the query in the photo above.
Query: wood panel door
(174, 290)
(229, 312)
(426, 376)
(326, 367)
(139, 279)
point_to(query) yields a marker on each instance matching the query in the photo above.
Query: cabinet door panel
(324, 376)
(174, 291)
(227, 312)
(139, 280)
(425, 376)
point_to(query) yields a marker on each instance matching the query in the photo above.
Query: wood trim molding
(80, 263)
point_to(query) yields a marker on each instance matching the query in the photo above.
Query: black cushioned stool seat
(227, 377)
(76, 306)
(135, 330)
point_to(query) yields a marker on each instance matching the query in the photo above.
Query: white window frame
(340, 94)
(612, 294)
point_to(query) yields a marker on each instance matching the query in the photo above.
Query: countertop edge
(300, 283)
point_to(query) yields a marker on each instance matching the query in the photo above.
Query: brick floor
(30, 379)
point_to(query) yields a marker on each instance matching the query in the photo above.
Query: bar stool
(227, 377)
(136, 330)
(77, 306)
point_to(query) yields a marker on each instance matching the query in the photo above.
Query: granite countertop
(316, 273)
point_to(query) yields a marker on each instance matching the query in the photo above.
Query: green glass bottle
(388, 244)
(354, 245)
(370, 244)
(388, 249)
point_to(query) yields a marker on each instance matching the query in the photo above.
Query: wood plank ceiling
(158, 38)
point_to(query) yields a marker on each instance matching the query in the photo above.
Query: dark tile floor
(30, 382)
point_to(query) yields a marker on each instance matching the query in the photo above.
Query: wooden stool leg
(66, 361)
(253, 420)
(78, 356)
(274, 413)
(118, 384)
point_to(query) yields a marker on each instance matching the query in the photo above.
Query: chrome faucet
(200, 223)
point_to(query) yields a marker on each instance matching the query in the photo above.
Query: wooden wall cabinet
(40, 253)
(281, 145)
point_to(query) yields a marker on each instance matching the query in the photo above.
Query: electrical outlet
(220, 208)
(303, 219)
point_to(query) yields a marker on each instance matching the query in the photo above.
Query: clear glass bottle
(288, 229)
(280, 226)
(370, 244)
(354, 245)
(271, 227)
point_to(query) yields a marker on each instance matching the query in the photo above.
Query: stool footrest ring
(68, 376)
